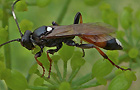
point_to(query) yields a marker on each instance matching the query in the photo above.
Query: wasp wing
(80, 30)
(95, 33)
(96, 38)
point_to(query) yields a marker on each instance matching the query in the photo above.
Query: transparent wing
(80, 30)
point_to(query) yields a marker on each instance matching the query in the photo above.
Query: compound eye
(49, 29)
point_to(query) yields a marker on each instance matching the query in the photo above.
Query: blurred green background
(63, 12)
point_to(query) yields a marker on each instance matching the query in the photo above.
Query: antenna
(17, 26)
(16, 18)
(11, 41)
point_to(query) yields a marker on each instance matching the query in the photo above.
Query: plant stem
(83, 80)
(37, 88)
(5, 23)
(65, 71)
(58, 71)
(55, 78)
(87, 86)
(63, 12)
(73, 74)
(46, 79)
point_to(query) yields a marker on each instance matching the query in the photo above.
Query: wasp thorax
(49, 29)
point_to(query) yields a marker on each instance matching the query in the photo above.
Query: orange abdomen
(103, 41)
(94, 40)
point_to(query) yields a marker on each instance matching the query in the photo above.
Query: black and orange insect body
(96, 34)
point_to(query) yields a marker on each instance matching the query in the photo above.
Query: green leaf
(36, 49)
(118, 71)
(120, 82)
(133, 53)
(1, 56)
(101, 68)
(33, 69)
(2, 68)
(77, 60)
(113, 55)
(38, 81)
(66, 52)
(92, 2)
(1, 14)
(101, 80)
(120, 34)
(108, 15)
(42, 3)
(6, 74)
(26, 25)
(2, 85)
(16, 81)
(64, 86)
(126, 17)
(135, 34)
(21, 6)
(55, 58)
(130, 75)
(44, 60)
(3, 34)
(138, 16)
(104, 6)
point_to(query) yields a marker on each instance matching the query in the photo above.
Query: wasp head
(26, 40)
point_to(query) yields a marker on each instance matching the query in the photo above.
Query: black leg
(76, 21)
(52, 51)
(77, 17)
(82, 49)
(83, 46)
(87, 46)
(54, 23)
(38, 62)
(106, 57)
